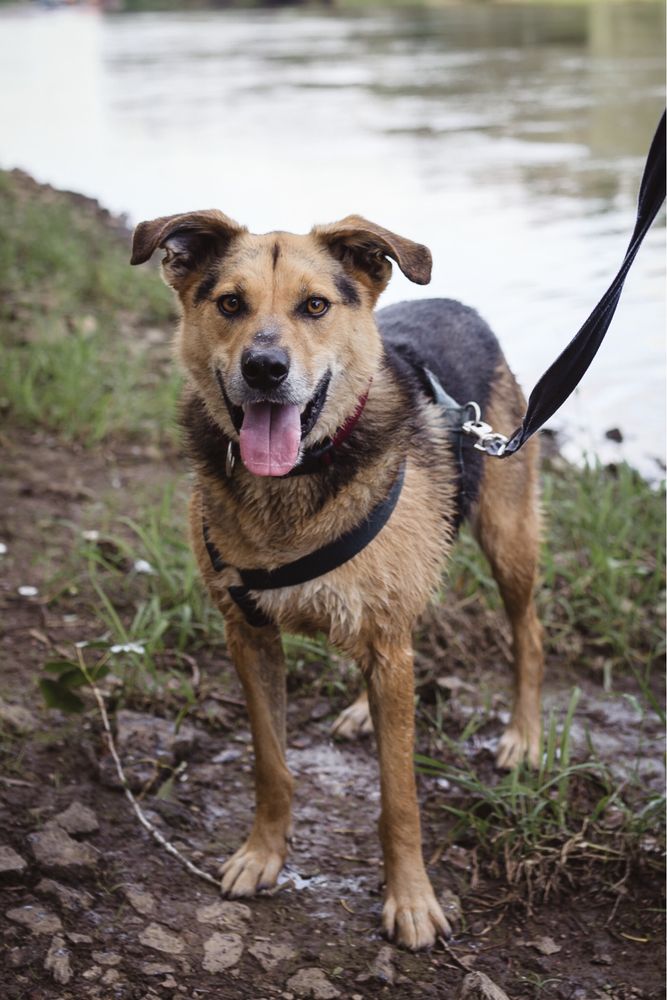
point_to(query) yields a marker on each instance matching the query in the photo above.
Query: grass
(74, 320)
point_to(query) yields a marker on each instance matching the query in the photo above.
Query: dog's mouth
(270, 433)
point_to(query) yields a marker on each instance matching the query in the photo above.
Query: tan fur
(369, 606)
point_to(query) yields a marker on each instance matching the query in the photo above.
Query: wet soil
(122, 919)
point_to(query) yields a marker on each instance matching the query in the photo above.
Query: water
(510, 139)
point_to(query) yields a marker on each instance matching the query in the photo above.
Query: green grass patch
(602, 588)
(74, 322)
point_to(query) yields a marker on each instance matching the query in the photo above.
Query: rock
(74, 900)
(382, 967)
(57, 961)
(77, 818)
(10, 861)
(79, 938)
(545, 945)
(54, 848)
(111, 977)
(154, 936)
(221, 951)
(614, 434)
(312, 983)
(139, 900)
(477, 986)
(18, 957)
(156, 969)
(36, 919)
(269, 954)
(146, 744)
(106, 957)
(451, 906)
(222, 913)
(17, 718)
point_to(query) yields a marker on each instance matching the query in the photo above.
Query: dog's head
(277, 330)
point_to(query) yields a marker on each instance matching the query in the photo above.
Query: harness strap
(308, 567)
(564, 375)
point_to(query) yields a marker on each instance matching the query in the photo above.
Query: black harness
(341, 550)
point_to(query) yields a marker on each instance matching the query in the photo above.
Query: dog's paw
(415, 921)
(252, 868)
(516, 745)
(354, 721)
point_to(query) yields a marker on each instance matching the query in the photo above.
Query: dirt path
(92, 908)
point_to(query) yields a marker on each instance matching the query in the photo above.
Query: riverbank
(558, 875)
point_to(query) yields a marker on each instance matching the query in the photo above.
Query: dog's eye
(230, 305)
(316, 306)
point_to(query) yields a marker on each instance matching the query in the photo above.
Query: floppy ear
(365, 247)
(189, 240)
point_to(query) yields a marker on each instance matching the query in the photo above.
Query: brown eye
(316, 306)
(229, 305)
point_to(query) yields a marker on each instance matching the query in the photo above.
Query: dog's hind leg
(507, 525)
(411, 913)
(354, 721)
(258, 657)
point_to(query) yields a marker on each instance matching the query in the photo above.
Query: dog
(315, 445)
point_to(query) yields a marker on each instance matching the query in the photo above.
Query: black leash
(309, 567)
(564, 375)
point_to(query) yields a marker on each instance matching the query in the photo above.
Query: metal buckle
(488, 440)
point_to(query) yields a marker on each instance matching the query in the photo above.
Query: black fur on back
(459, 348)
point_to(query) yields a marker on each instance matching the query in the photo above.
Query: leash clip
(488, 440)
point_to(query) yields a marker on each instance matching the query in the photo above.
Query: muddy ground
(91, 907)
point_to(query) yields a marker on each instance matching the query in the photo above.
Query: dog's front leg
(411, 913)
(258, 657)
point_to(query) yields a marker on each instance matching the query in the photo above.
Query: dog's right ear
(189, 239)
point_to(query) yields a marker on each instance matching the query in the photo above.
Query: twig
(451, 954)
(143, 819)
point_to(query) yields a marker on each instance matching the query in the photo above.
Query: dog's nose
(264, 369)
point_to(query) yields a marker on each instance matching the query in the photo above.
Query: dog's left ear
(365, 247)
(189, 240)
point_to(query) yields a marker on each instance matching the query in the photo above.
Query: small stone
(270, 954)
(77, 818)
(54, 848)
(382, 967)
(614, 434)
(154, 936)
(27, 590)
(79, 938)
(18, 957)
(17, 718)
(221, 951)
(107, 957)
(93, 973)
(231, 916)
(57, 961)
(10, 861)
(156, 969)
(451, 906)
(545, 945)
(146, 743)
(71, 899)
(312, 983)
(36, 919)
(139, 900)
(111, 977)
(478, 986)
(169, 983)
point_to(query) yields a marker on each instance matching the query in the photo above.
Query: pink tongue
(270, 438)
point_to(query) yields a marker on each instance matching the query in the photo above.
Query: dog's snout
(264, 369)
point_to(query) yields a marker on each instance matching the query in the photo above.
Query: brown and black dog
(287, 361)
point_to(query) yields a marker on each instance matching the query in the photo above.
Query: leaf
(58, 696)
(60, 666)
